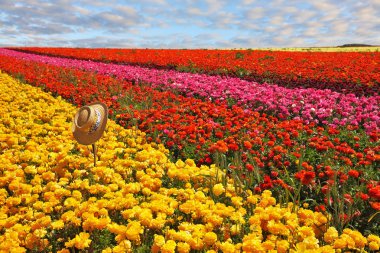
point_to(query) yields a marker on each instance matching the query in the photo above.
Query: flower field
(189, 162)
(310, 105)
(346, 72)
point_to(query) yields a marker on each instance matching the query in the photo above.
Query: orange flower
(80, 241)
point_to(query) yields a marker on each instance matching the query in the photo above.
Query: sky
(189, 23)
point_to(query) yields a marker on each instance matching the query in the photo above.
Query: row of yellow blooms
(52, 198)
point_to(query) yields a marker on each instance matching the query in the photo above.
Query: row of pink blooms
(308, 104)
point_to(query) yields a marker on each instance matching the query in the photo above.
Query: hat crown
(85, 118)
(89, 123)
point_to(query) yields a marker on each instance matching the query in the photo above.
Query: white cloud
(81, 11)
(214, 5)
(254, 13)
(195, 11)
(340, 27)
(304, 16)
(248, 2)
(224, 20)
(127, 10)
(277, 20)
(286, 31)
(186, 23)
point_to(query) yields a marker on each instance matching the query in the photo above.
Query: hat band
(95, 126)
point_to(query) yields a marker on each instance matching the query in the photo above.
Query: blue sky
(189, 24)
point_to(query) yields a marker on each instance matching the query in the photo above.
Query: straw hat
(90, 122)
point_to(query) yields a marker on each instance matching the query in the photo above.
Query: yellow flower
(320, 218)
(218, 189)
(40, 232)
(210, 238)
(235, 229)
(158, 223)
(311, 242)
(80, 241)
(134, 229)
(125, 245)
(145, 216)
(228, 247)
(57, 224)
(237, 201)
(277, 228)
(305, 232)
(188, 206)
(158, 242)
(340, 243)
(183, 247)
(169, 247)
(63, 251)
(252, 243)
(359, 240)
(349, 241)
(330, 235)
(326, 249)
(374, 246)
(196, 243)
(76, 195)
(373, 242)
(282, 246)
(373, 238)
(253, 199)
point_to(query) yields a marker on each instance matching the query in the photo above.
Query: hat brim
(87, 139)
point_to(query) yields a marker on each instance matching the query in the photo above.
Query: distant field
(323, 49)
(338, 68)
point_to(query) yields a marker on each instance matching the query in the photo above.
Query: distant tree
(355, 45)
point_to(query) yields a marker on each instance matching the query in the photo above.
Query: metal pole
(94, 151)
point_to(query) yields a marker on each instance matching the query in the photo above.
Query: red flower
(375, 205)
(306, 177)
(219, 135)
(325, 189)
(374, 192)
(233, 147)
(274, 174)
(343, 178)
(347, 198)
(208, 160)
(354, 173)
(320, 208)
(247, 145)
(169, 143)
(363, 196)
(268, 184)
(249, 167)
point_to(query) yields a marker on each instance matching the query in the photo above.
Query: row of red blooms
(346, 72)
